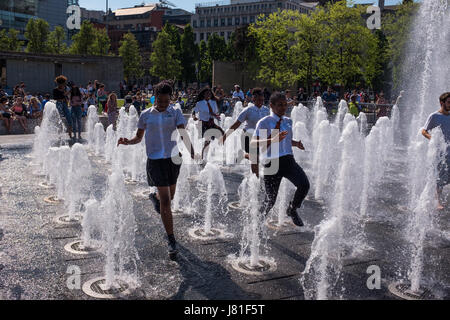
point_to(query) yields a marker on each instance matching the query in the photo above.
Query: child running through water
(163, 164)
(251, 116)
(278, 159)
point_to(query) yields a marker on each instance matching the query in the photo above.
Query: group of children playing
(266, 132)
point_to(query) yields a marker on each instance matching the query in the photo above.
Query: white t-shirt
(159, 127)
(203, 110)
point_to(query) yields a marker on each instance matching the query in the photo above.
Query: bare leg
(166, 211)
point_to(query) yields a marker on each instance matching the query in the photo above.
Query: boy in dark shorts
(278, 159)
(163, 164)
(251, 116)
(441, 118)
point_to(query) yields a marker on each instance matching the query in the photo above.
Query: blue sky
(184, 4)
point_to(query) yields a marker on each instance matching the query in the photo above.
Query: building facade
(15, 67)
(143, 21)
(225, 17)
(14, 14)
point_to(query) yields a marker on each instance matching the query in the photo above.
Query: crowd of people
(73, 101)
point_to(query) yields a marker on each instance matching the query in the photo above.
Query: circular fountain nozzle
(263, 266)
(96, 288)
(67, 220)
(77, 247)
(403, 291)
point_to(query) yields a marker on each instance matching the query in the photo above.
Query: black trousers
(290, 170)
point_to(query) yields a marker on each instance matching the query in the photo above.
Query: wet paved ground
(33, 262)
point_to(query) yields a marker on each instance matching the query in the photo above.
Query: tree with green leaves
(189, 55)
(102, 43)
(217, 47)
(309, 34)
(56, 41)
(346, 49)
(275, 38)
(132, 60)
(204, 63)
(175, 38)
(9, 41)
(165, 65)
(90, 41)
(37, 32)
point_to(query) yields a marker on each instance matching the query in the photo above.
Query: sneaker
(155, 202)
(291, 212)
(173, 250)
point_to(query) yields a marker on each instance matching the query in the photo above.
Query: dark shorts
(444, 176)
(209, 125)
(162, 172)
(6, 115)
(246, 139)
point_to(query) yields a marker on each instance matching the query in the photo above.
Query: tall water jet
(300, 113)
(325, 157)
(99, 139)
(49, 133)
(111, 142)
(362, 121)
(79, 182)
(425, 209)
(91, 236)
(340, 233)
(92, 120)
(342, 111)
(212, 201)
(63, 174)
(301, 133)
(119, 234)
(250, 260)
(118, 228)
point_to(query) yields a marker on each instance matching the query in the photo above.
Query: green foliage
(90, 41)
(217, 47)
(165, 64)
(275, 39)
(205, 63)
(175, 38)
(132, 60)
(347, 46)
(37, 32)
(9, 41)
(56, 41)
(189, 55)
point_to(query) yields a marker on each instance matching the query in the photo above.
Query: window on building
(244, 20)
(230, 21)
(280, 5)
(222, 34)
(252, 19)
(202, 36)
(237, 22)
(195, 23)
(202, 23)
(216, 22)
(208, 35)
(222, 22)
(208, 23)
(229, 34)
